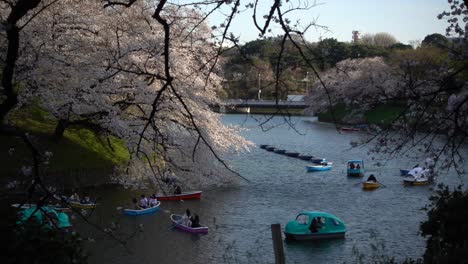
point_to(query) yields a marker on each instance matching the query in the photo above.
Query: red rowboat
(195, 195)
(350, 129)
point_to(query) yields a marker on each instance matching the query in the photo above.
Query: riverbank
(81, 158)
(381, 115)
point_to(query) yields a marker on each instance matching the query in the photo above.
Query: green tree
(435, 40)
(330, 51)
(446, 227)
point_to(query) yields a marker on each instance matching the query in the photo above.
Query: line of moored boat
(293, 154)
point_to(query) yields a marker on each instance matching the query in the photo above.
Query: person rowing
(371, 178)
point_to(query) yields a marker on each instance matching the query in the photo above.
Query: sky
(407, 20)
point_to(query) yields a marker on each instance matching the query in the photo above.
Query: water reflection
(239, 217)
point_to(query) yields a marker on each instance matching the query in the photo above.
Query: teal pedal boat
(314, 225)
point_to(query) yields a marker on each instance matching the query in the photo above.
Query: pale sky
(405, 19)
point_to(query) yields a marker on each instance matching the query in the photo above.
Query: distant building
(356, 36)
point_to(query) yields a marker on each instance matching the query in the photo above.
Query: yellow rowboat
(370, 185)
(82, 206)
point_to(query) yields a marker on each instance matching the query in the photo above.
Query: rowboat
(75, 203)
(146, 211)
(322, 167)
(304, 157)
(370, 185)
(79, 205)
(291, 154)
(194, 195)
(279, 151)
(177, 221)
(349, 129)
(314, 225)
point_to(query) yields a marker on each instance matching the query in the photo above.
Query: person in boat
(177, 190)
(153, 201)
(195, 221)
(135, 203)
(169, 178)
(186, 218)
(372, 178)
(143, 202)
(351, 166)
(314, 225)
(323, 163)
(85, 199)
(358, 166)
(75, 197)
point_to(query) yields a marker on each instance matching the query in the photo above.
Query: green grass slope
(80, 150)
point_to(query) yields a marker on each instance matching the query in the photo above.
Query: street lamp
(259, 88)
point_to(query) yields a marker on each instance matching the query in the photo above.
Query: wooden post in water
(277, 243)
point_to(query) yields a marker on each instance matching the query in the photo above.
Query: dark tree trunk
(18, 11)
(60, 129)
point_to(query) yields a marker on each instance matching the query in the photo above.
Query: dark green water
(239, 217)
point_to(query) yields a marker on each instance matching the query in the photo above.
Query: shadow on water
(314, 244)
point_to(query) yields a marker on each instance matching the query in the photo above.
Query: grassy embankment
(380, 115)
(80, 157)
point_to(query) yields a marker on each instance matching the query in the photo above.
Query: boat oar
(358, 183)
(382, 184)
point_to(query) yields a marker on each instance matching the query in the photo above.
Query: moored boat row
(293, 154)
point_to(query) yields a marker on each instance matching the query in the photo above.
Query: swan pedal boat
(327, 226)
(194, 195)
(329, 166)
(135, 212)
(177, 219)
(417, 176)
(370, 185)
(415, 182)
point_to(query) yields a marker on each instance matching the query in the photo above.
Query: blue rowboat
(326, 167)
(146, 211)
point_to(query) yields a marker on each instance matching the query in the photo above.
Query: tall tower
(355, 36)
